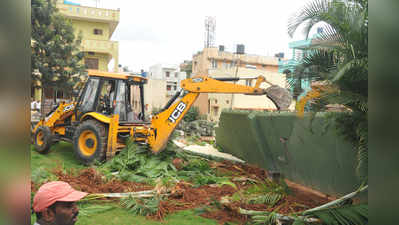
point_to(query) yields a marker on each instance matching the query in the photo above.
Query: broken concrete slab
(207, 150)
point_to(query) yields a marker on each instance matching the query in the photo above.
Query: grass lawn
(62, 154)
(120, 216)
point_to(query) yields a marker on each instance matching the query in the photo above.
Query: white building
(169, 73)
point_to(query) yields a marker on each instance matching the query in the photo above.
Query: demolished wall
(308, 152)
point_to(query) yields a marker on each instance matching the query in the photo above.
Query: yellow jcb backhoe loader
(101, 120)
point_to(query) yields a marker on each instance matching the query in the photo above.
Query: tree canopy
(55, 49)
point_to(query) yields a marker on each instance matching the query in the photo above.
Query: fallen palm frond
(137, 164)
(139, 194)
(332, 213)
(269, 199)
(141, 206)
(345, 215)
(261, 217)
(338, 201)
(269, 219)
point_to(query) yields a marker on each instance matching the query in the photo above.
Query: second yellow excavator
(101, 120)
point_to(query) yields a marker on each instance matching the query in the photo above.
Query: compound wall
(307, 152)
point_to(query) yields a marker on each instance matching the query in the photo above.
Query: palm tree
(341, 62)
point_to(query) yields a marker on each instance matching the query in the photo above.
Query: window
(214, 64)
(167, 74)
(90, 53)
(176, 74)
(168, 87)
(248, 66)
(98, 32)
(215, 110)
(91, 63)
(225, 65)
(248, 82)
(174, 88)
(89, 95)
(227, 101)
(120, 107)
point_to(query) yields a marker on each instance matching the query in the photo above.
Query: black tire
(90, 141)
(42, 139)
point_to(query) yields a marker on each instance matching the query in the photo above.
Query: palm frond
(141, 206)
(362, 159)
(269, 219)
(269, 199)
(311, 14)
(346, 215)
(347, 67)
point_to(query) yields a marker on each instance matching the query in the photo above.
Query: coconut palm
(340, 60)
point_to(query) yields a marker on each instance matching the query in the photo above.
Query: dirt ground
(185, 196)
(90, 181)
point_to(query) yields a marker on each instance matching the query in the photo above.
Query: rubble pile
(197, 128)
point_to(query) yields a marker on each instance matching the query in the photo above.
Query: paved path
(207, 150)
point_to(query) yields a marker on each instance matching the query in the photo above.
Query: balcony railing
(287, 64)
(100, 46)
(89, 12)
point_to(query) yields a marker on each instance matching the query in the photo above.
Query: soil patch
(184, 196)
(226, 215)
(241, 169)
(91, 181)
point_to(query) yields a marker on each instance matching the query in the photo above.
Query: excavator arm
(165, 122)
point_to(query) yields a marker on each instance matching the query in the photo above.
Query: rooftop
(87, 13)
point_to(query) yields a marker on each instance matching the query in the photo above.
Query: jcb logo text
(177, 112)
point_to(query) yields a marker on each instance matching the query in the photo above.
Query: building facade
(218, 102)
(215, 62)
(96, 25)
(169, 73)
(300, 49)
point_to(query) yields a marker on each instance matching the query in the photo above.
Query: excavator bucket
(281, 97)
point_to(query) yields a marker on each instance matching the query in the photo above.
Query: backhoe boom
(165, 122)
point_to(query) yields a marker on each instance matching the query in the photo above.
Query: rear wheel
(42, 139)
(90, 141)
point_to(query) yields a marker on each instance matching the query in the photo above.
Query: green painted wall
(306, 152)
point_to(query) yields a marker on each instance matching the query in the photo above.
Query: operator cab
(113, 93)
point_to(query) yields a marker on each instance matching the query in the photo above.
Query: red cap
(54, 191)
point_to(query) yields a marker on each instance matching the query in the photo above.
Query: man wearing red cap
(54, 204)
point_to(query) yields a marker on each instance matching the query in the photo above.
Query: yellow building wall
(85, 20)
(87, 29)
(103, 60)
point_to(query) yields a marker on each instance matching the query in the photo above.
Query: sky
(171, 31)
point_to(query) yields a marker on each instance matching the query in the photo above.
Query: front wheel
(90, 141)
(42, 139)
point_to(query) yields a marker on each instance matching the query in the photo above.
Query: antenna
(210, 26)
